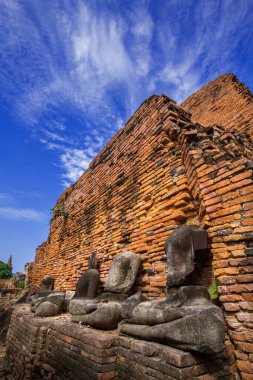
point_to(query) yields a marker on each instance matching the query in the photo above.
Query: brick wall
(159, 172)
(58, 349)
(224, 101)
(132, 197)
(222, 181)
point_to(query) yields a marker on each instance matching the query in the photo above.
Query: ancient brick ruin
(165, 169)
(224, 101)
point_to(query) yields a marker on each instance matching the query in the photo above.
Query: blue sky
(72, 72)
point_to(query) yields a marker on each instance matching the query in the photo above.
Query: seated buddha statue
(104, 311)
(186, 319)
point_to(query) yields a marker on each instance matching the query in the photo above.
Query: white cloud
(75, 162)
(12, 212)
(21, 214)
(99, 49)
(56, 125)
(55, 136)
(49, 145)
(142, 30)
(120, 123)
(182, 76)
(85, 59)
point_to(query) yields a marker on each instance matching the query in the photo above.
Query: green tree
(5, 270)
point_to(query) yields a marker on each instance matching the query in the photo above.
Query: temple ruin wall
(159, 172)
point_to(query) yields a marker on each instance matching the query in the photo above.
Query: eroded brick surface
(132, 197)
(224, 101)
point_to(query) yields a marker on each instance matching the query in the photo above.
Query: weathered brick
(230, 298)
(245, 347)
(244, 278)
(247, 222)
(246, 306)
(226, 211)
(233, 186)
(248, 206)
(245, 366)
(231, 306)
(246, 190)
(241, 177)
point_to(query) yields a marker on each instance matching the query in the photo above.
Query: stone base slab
(55, 348)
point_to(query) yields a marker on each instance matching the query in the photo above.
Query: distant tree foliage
(5, 270)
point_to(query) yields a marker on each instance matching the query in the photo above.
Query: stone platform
(55, 348)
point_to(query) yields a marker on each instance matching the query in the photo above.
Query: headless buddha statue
(186, 319)
(87, 284)
(104, 311)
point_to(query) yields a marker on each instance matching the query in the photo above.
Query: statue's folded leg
(105, 317)
(200, 332)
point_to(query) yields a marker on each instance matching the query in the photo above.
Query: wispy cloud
(83, 56)
(75, 162)
(27, 214)
(9, 209)
(82, 64)
(201, 44)
(142, 33)
(74, 71)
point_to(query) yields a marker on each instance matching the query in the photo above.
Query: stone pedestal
(55, 348)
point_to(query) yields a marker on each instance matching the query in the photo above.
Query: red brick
(246, 190)
(246, 376)
(234, 186)
(241, 177)
(246, 306)
(245, 347)
(247, 296)
(231, 307)
(245, 366)
(226, 211)
(230, 298)
(248, 206)
(245, 278)
(247, 222)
